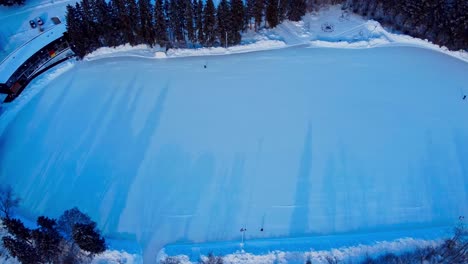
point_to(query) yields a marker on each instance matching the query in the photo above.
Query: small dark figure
(464, 97)
(204, 66)
(261, 229)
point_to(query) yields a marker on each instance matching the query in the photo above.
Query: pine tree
(199, 22)
(189, 21)
(146, 33)
(237, 20)
(75, 28)
(88, 239)
(181, 33)
(223, 16)
(47, 239)
(90, 29)
(16, 228)
(104, 22)
(169, 21)
(258, 10)
(271, 14)
(125, 14)
(176, 23)
(282, 10)
(209, 24)
(21, 250)
(69, 218)
(249, 13)
(160, 24)
(114, 25)
(297, 8)
(134, 26)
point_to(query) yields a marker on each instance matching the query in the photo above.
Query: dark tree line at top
(444, 22)
(11, 2)
(172, 23)
(196, 23)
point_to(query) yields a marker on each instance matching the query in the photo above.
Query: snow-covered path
(299, 141)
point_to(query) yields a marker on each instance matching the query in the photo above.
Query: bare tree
(8, 201)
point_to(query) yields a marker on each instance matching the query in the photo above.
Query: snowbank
(144, 51)
(126, 50)
(371, 34)
(257, 46)
(353, 254)
(117, 257)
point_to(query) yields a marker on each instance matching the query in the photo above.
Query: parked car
(32, 24)
(39, 21)
(56, 20)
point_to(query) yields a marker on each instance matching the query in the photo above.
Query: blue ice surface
(299, 141)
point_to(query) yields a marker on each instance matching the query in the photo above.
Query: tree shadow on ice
(223, 214)
(461, 149)
(299, 223)
(117, 154)
(178, 182)
(131, 157)
(443, 185)
(30, 119)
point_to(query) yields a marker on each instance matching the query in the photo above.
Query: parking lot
(16, 30)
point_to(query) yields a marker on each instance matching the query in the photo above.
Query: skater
(204, 66)
(464, 97)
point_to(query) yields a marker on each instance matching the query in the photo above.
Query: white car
(39, 21)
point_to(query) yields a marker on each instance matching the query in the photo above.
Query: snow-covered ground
(299, 141)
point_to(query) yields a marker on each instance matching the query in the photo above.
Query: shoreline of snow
(383, 38)
(377, 36)
(351, 254)
(144, 51)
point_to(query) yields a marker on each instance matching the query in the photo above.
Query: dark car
(32, 24)
(39, 21)
(56, 20)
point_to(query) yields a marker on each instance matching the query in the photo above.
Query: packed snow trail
(299, 141)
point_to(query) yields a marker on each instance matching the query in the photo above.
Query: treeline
(11, 2)
(196, 23)
(440, 21)
(172, 23)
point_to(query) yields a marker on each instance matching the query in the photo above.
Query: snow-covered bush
(211, 259)
(170, 260)
(453, 251)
